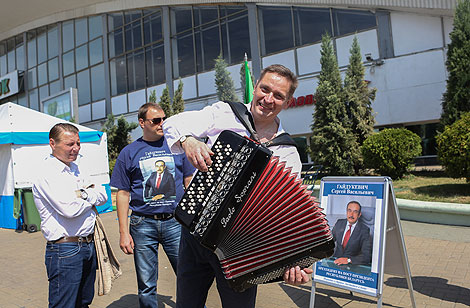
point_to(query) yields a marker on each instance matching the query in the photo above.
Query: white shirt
(210, 122)
(62, 212)
(347, 228)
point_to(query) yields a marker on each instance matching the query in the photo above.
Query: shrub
(391, 151)
(454, 148)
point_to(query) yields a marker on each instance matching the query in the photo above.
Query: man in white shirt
(65, 198)
(197, 266)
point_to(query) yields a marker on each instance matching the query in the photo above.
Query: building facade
(115, 53)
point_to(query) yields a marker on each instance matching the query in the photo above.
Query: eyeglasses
(157, 121)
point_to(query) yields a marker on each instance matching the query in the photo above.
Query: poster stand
(390, 257)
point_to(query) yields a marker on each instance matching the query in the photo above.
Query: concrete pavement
(439, 258)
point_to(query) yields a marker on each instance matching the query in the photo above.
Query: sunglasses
(157, 121)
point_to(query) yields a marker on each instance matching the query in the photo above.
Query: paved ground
(439, 257)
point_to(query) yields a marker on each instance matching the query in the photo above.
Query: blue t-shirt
(152, 175)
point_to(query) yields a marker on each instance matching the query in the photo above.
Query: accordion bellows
(254, 214)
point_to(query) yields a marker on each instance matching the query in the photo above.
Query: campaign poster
(159, 187)
(354, 211)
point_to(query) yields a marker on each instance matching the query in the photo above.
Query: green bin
(32, 220)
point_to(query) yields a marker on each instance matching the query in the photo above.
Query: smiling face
(66, 147)
(353, 212)
(270, 96)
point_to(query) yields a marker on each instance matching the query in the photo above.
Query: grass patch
(432, 186)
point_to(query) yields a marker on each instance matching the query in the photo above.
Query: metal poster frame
(388, 246)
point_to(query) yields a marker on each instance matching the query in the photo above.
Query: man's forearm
(122, 205)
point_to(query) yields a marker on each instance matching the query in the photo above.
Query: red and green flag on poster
(248, 95)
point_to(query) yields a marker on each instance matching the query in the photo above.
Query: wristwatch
(349, 260)
(83, 194)
(183, 138)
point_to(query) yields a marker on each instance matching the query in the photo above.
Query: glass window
(81, 31)
(136, 71)
(42, 45)
(68, 62)
(239, 41)
(95, 27)
(118, 75)
(32, 78)
(114, 20)
(42, 74)
(302, 148)
(52, 41)
(31, 50)
(43, 92)
(70, 82)
(53, 68)
(182, 19)
(185, 57)
(229, 10)
(33, 99)
(22, 100)
(96, 51)
(81, 56)
(130, 16)
(310, 24)
(83, 86)
(115, 41)
(20, 53)
(207, 46)
(155, 63)
(11, 55)
(349, 21)
(97, 82)
(133, 36)
(277, 35)
(68, 37)
(54, 87)
(153, 28)
(3, 60)
(205, 14)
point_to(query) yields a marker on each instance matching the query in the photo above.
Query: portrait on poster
(354, 213)
(159, 180)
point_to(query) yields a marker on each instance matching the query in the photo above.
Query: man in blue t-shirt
(139, 176)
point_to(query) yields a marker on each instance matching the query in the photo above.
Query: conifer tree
(359, 99)
(178, 101)
(456, 99)
(153, 96)
(332, 140)
(165, 102)
(224, 82)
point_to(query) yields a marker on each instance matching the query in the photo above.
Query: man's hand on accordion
(296, 276)
(198, 153)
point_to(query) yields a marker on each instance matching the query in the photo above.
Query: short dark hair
(360, 207)
(142, 114)
(284, 72)
(59, 128)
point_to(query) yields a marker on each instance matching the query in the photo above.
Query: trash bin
(32, 220)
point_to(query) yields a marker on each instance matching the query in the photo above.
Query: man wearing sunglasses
(198, 266)
(150, 180)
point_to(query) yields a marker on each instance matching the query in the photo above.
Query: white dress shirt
(210, 122)
(62, 212)
(347, 228)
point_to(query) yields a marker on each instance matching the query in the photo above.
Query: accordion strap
(245, 117)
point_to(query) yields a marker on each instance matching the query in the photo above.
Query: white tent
(24, 143)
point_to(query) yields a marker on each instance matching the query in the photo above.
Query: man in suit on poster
(160, 184)
(352, 238)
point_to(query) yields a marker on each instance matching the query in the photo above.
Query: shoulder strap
(242, 113)
(282, 139)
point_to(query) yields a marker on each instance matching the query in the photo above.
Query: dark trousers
(197, 268)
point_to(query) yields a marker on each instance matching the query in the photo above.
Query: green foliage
(118, 137)
(165, 102)
(359, 99)
(153, 96)
(332, 143)
(178, 101)
(454, 148)
(456, 99)
(391, 151)
(224, 82)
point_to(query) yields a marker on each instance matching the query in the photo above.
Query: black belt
(73, 239)
(158, 216)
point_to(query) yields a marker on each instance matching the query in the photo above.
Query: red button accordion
(253, 213)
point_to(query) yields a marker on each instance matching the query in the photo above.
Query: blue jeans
(147, 234)
(71, 271)
(197, 268)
